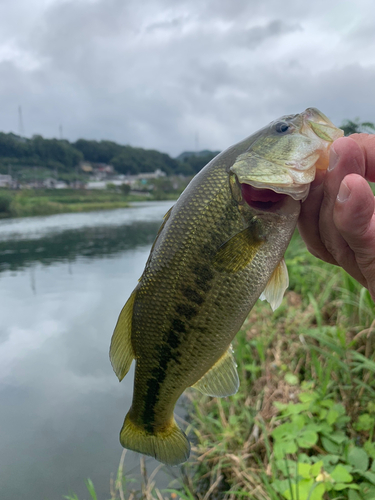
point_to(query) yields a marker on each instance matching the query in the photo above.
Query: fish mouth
(262, 199)
(266, 167)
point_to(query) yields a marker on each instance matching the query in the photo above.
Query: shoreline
(30, 203)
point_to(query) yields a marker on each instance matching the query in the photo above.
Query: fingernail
(333, 159)
(344, 193)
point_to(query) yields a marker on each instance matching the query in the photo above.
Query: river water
(63, 281)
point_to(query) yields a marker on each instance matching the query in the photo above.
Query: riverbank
(29, 202)
(301, 426)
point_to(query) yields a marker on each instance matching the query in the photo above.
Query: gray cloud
(155, 75)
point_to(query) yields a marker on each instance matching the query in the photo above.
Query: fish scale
(214, 255)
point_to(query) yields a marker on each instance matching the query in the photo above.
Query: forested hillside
(17, 153)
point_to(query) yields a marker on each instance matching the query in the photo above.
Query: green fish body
(219, 248)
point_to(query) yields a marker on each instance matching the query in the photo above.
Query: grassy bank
(25, 203)
(30, 202)
(301, 426)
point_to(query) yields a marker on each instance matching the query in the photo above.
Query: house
(5, 180)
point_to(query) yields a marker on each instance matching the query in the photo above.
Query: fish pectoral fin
(121, 351)
(170, 446)
(235, 254)
(221, 379)
(276, 286)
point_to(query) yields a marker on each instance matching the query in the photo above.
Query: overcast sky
(177, 75)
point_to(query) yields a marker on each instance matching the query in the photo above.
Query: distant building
(85, 166)
(5, 180)
(152, 175)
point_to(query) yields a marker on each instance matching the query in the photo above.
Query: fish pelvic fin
(121, 351)
(170, 446)
(236, 253)
(221, 379)
(276, 286)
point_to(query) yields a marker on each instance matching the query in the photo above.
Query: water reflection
(91, 242)
(62, 285)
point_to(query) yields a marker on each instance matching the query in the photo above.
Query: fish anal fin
(221, 379)
(276, 286)
(121, 352)
(170, 446)
(235, 254)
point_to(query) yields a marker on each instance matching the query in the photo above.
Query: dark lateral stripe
(186, 310)
(193, 295)
(167, 354)
(203, 276)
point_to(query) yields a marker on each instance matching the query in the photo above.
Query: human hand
(337, 220)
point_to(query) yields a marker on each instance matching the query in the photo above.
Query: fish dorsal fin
(236, 253)
(221, 379)
(121, 352)
(276, 286)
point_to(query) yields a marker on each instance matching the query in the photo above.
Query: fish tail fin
(170, 446)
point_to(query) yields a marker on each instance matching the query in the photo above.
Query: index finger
(367, 144)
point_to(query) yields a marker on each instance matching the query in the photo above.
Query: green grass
(301, 426)
(25, 203)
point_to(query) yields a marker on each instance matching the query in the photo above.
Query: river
(63, 281)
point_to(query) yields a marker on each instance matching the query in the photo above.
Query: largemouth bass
(219, 248)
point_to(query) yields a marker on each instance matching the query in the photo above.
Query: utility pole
(60, 131)
(21, 131)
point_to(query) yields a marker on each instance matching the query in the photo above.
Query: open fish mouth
(261, 199)
(283, 158)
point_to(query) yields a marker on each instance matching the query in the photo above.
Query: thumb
(354, 218)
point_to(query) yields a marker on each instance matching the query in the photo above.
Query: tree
(356, 127)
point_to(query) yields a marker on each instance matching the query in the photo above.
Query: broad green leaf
(343, 486)
(283, 448)
(328, 403)
(299, 421)
(330, 446)
(370, 476)
(286, 467)
(283, 431)
(332, 416)
(338, 437)
(367, 490)
(307, 439)
(359, 459)
(341, 475)
(330, 459)
(316, 468)
(280, 485)
(307, 397)
(307, 490)
(353, 495)
(369, 448)
(304, 470)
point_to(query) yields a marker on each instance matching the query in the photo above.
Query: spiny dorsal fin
(235, 254)
(276, 286)
(221, 379)
(121, 352)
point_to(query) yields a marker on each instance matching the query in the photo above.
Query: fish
(219, 249)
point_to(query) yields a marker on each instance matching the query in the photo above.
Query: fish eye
(281, 127)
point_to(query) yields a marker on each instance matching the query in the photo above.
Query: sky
(181, 75)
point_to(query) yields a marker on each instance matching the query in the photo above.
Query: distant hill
(204, 153)
(192, 162)
(18, 154)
